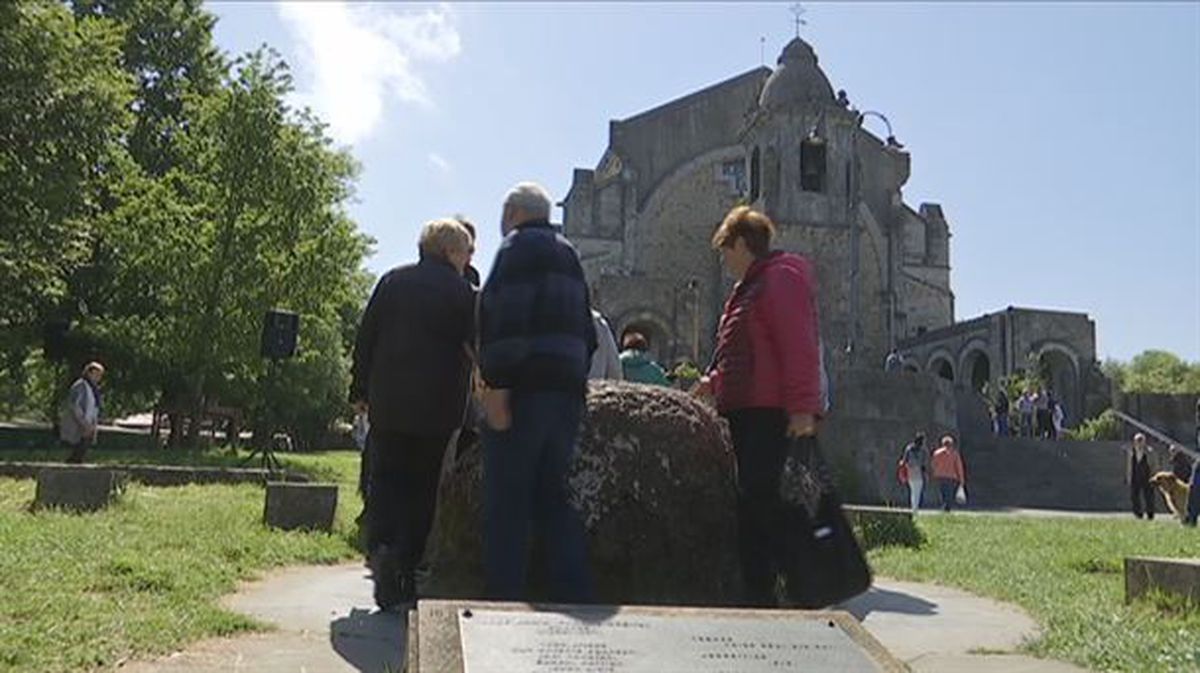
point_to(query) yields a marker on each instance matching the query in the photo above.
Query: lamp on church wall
(891, 141)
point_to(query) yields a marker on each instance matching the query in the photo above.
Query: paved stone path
(936, 629)
(326, 625)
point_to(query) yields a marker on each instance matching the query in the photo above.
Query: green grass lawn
(1068, 574)
(143, 577)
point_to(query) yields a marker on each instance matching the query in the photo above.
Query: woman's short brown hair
(751, 226)
(635, 341)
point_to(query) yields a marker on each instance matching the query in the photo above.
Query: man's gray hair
(441, 237)
(530, 197)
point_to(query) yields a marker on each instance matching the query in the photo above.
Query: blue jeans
(1193, 503)
(525, 481)
(948, 488)
(1002, 425)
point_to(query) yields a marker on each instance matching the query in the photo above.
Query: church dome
(797, 81)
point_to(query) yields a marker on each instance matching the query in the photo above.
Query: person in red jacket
(766, 381)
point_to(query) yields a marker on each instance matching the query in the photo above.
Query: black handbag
(824, 564)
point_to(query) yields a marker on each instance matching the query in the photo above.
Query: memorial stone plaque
(582, 640)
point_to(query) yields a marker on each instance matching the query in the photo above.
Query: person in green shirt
(637, 364)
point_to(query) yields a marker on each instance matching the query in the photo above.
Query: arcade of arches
(1059, 345)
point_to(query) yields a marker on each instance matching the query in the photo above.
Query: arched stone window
(975, 368)
(771, 175)
(812, 164)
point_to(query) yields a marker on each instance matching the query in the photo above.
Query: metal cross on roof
(798, 11)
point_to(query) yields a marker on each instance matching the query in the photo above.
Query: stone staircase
(1032, 473)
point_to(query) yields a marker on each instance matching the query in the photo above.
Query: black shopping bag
(824, 564)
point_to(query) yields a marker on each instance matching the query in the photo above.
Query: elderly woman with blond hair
(411, 375)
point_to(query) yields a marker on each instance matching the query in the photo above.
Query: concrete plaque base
(486, 637)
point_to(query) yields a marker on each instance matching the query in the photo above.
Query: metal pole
(852, 323)
(695, 287)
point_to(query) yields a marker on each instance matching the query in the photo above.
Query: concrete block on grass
(1174, 576)
(883, 526)
(292, 506)
(81, 489)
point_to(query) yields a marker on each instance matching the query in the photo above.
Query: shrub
(1104, 427)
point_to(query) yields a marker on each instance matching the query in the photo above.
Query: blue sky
(1063, 140)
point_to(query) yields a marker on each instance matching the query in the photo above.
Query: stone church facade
(782, 142)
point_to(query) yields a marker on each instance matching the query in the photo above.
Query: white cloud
(356, 58)
(439, 162)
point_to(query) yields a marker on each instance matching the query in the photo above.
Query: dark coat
(411, 362)
(535, 316)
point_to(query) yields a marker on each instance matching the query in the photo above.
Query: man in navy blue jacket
(536, 344)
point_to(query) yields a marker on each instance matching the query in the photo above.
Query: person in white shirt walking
(914, 464)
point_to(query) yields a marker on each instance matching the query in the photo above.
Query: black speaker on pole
(280, 329)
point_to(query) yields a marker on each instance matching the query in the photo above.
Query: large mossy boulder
(654, 484)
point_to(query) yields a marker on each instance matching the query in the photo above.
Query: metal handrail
(1162, 437)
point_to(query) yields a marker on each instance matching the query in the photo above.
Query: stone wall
(874, 415)
(1174, 415)
(668, 247)
(655, 143)
(43, 436)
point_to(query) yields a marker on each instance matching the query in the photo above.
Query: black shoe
(394, 588)
(385, 573)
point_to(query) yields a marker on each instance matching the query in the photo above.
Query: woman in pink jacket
(766, 378)
(948, 471)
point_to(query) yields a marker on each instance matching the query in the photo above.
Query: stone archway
(941, 366)
(976, 368)
(1059, 366)
(654, 328)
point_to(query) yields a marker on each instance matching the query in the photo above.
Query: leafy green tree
(63, 108)
(1156, 371)
(1114, 370)
(252, 217)
(163, 200)
(167, 47)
